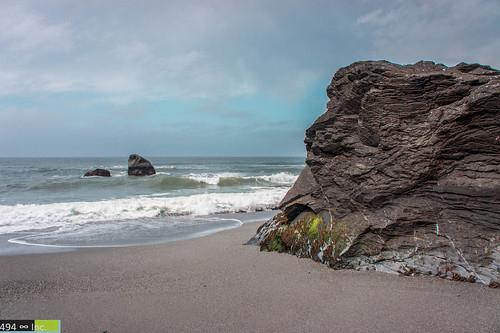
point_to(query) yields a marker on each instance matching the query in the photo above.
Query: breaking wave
(163, 181)
(23, 217)
(233, 179)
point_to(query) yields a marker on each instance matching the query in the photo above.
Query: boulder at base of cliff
(98, 173)
(402, 174)
(139, 166)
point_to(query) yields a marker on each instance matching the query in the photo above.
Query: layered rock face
(139, 166)
(98, 173)
(402, 174)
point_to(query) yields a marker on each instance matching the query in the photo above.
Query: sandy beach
(216, 284)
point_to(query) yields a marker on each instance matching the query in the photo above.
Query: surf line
(21, 240)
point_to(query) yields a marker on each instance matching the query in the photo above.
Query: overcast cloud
(116, 77)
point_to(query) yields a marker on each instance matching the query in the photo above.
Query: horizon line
(161, 156)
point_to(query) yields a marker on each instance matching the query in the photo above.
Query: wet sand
(216, 284)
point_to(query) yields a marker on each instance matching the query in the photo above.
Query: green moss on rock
(277, 243)
(313, 229)
(310, 236)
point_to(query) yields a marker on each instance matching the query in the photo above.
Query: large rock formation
(139, 166)
(97, 173)
(402, 174)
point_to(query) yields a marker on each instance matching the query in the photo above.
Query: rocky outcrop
(97, 173)
(139, 166)
(402, 174)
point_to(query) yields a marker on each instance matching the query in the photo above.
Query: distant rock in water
(139, 166)
(97, 173)
(402, 174)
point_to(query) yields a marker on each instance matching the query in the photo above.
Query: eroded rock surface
(403, 173)
(139, 166)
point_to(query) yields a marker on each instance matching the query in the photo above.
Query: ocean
(47, 201)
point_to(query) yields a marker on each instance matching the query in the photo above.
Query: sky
(205, 78)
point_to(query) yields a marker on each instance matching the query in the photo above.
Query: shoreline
(215, 283)
(117, 234)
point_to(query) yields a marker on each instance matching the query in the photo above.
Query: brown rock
(408, 158)
(97, 173)
(139, 166)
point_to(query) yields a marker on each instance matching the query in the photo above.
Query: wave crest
(28, 217)
(234, 179)
(163, 181)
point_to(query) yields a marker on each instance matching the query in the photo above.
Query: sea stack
(402, 174)
(97, 173)
(139, 166)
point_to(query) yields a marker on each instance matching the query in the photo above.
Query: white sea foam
(62, 177)
(32, 216)
(211, 178)
(165, 167)
(281, 178)
(118, 166)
